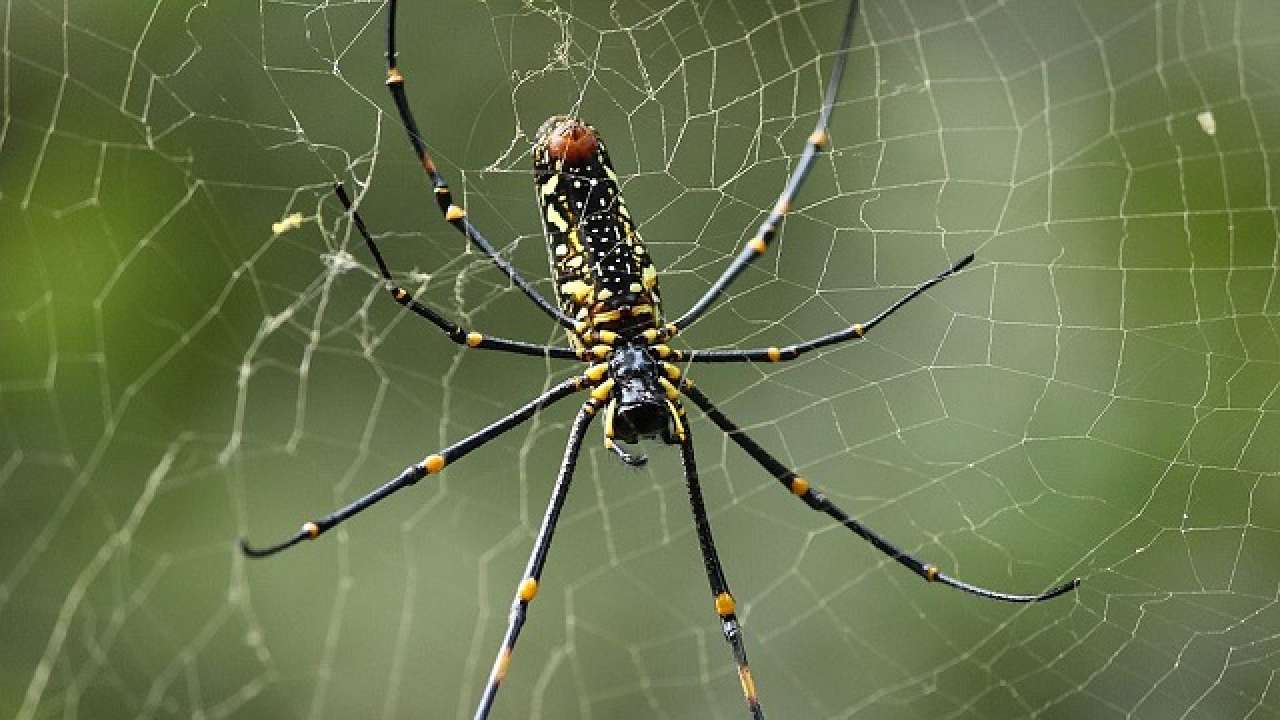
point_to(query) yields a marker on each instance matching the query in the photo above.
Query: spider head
(642, 407)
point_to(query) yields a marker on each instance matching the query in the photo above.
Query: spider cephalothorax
(642, 401)
(644, 404)
(610, 308)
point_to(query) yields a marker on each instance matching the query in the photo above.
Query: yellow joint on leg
(608, 422)
(673, 372)
(774, 354)
(474, 339)
(596, 372)
(602, 391)
(671, 329)
(528, 589)
(930, 573)
(758, 245)
(798, 485)
(820, 138)
(399, 294)
(433, 463)
(783, 207)
(311, 529)
(858, 330)
(454, 213)
(608, 337)
(394, 76)
(748, 684)
(675, 418)
(650, 336)
(672, 392)
(601, 352)
(725, 604)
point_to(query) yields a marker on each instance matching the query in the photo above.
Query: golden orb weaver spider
(611, 310)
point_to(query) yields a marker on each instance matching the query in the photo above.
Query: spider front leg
(528, 585)
(819, 502)
(724, 603)
(765, 234)
(431, 464)
(467, 338)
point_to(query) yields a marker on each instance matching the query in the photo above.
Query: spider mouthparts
(632, 459)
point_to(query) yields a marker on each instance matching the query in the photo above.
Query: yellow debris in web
(292, 222)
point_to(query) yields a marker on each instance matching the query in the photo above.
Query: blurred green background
(1095, 397)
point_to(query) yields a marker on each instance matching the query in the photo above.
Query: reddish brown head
(567, 139)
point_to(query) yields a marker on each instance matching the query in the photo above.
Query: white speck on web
(340, 261)
(1207, 123)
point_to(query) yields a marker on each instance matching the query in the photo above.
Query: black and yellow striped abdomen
(602, 270)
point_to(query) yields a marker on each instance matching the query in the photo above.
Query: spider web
(196, 347)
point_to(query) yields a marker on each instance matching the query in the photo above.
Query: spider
(610, 307)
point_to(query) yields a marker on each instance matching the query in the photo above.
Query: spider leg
(816, 500)
(724, 602)
(430, 465)
(854, 332)
(818, 140)
(453, 214)
(455, 332)
(528, 586)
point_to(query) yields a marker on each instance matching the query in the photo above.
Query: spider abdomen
(603, 274)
